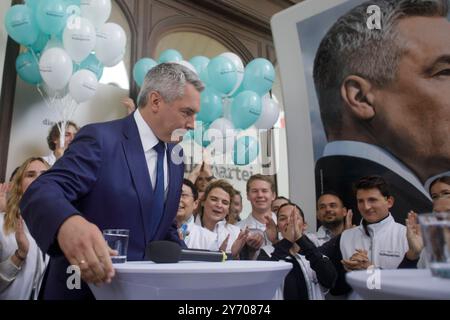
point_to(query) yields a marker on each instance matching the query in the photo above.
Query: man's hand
(59, 151)
(128, 103)
(255, 240)
(358, 261)
(83, 244)
(414, 236)
(271, 229)
(349, 220)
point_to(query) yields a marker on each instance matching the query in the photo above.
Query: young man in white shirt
(378, 241)
(260, 193)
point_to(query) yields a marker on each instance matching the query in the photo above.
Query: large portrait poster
(341, 128)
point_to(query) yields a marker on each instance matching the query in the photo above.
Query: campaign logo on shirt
(389, 253)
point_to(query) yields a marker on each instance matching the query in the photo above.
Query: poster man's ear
(358, 97)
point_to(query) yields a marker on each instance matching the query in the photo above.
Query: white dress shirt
(51, 159)
(149, 140)
(199, 238)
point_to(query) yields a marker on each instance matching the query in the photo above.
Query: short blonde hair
(262, 177)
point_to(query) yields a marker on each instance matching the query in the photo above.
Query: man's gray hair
(351, 48)
(169, 80)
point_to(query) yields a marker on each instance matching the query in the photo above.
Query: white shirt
(376, 154)
(18, 283)
(323, 235)
(386, 246)
(149, 140)
(252, 223)
(51, 159)
(200, 238)
(222, 229)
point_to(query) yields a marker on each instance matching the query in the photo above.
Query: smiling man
(385, 101)
(331, 213)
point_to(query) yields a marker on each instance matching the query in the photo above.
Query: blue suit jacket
(103, 176)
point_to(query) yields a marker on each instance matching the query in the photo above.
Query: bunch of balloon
(234, 99)
(66, 44)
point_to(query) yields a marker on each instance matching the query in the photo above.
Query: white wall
(4, 6)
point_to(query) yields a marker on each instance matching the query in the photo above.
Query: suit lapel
(134, 154)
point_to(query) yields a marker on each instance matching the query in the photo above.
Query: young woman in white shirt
(215, 208)
(21, 261)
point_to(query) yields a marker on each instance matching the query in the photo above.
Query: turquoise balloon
(21, 24)
(32, 4)
(199, 134)
(200, 63)
(73, 2)
(40, 43)
(246, 150)
(222, 74)
(51, 16)
(259, 76)
(204, 77)
(91, 63)
(141, 68)
(211, 106)
(170, 55)
(27, 68)
(246, 109)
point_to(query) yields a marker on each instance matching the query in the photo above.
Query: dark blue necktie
(158, 191)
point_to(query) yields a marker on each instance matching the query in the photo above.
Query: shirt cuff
(9, 270)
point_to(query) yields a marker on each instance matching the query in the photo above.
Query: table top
(399, 284)
(201, 267)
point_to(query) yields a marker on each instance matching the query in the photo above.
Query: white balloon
(96, 11)
(83, 85)
(222, 135)
(110, 44)
(188, 65)
(270, 112)
(239, 68)
(79, 38)
(56, 68)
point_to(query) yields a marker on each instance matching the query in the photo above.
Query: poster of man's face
(377, 78)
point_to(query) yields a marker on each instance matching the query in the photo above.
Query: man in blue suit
(120, 174)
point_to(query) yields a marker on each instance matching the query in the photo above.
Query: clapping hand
(4, 189)
(294, 231)
(239, 243)
(414, 236)
(271, 229)
(23, 244)
(358, 261)
(349, 220)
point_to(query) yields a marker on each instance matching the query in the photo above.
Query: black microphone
(171, 252)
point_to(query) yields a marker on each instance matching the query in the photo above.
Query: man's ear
(358, 97)
(155, 100)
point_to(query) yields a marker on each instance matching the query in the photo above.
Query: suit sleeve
(48, 201)
(172, 235)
